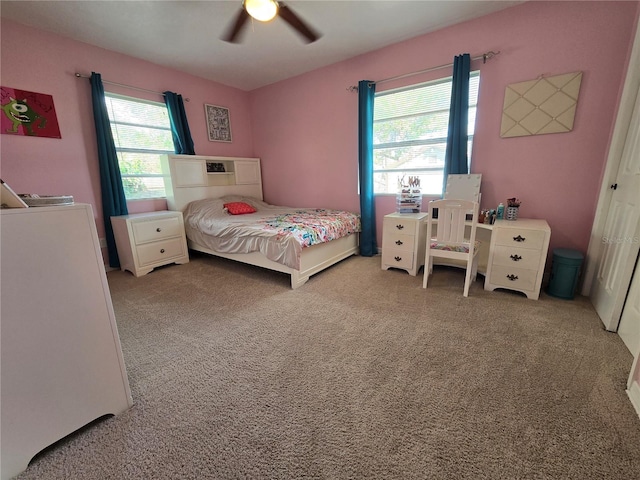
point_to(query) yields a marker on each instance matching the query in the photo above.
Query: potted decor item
(511, 212)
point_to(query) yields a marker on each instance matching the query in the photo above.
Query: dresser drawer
(392, 257)
(154, 229)
(523, 258)
(406, 226)
(398, 241)
(160, 251)
(521, 238)
(513, 278)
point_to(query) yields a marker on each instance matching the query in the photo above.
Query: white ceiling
(185, 35)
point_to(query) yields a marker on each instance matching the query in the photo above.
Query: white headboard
(194, 177)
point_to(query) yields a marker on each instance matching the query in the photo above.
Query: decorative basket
(511, 213)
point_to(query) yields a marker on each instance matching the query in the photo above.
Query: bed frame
(193, 177)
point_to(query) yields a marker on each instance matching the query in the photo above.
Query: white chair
(449, 241)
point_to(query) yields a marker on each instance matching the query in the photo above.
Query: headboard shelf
(193, 177)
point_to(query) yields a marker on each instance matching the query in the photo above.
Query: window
(142, 133)
(410, 133)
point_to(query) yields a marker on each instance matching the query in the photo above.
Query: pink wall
(38, 61)
(305, 128)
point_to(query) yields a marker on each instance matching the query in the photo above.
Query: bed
(297, 241)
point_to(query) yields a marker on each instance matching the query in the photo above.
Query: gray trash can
(565, 271)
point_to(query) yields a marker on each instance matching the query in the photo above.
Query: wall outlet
(103, 243)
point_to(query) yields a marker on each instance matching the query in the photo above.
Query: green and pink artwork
(28, 113)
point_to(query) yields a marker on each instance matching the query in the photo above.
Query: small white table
(517, 256)
(149, 240)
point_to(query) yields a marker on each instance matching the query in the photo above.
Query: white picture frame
(218, 123)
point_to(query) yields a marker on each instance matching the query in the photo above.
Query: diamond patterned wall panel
(543, 105)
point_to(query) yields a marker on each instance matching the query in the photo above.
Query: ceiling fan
(264, 11)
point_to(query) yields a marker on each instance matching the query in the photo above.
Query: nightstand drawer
(160, 251)
(397, 258)
(513, 278)
(523, 258)
(521, 238)
(398, 241)
(156, 229)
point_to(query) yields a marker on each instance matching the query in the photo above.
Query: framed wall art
(28, 113)
(218, 123)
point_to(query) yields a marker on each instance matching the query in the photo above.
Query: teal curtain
(456, 158)
(114, 201)
(182, 141)
(366, 94)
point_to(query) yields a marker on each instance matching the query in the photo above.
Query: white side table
(149, 240)
(404, 241)
(517, 256)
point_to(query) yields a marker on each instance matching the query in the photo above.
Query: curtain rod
(485, 56)
(79, 75)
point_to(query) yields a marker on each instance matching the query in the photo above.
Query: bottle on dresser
(500, 211)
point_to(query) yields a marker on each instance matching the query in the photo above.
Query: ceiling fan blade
(232, 34)
(301, 27)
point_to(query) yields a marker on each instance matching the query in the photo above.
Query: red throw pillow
(239, 208)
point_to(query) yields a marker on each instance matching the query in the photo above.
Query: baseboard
(634, 396)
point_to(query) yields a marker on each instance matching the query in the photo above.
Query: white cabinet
(149, 240)
(517, 256)
(404, 241)
(192, 173)
(62, 364)
(247, 172)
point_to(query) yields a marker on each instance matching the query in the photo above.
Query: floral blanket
(313, 226)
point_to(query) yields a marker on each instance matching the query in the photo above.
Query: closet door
(620, 243)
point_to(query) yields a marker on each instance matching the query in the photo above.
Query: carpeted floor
(359, 374)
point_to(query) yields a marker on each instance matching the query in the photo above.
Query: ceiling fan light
(262, 10)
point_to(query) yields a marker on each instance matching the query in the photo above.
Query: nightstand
(404, 241)
(517, 256)
(149, 240)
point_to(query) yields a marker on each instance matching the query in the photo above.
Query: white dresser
(517, 256)
(149, 240)
(404, 241)
(62, 364)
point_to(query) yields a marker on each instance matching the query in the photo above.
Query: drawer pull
(158, 229)
(519, 238)
(512, 277)
(399, 226)
(515, 258)
(397, 259)
(399, 242)
(162, 250)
